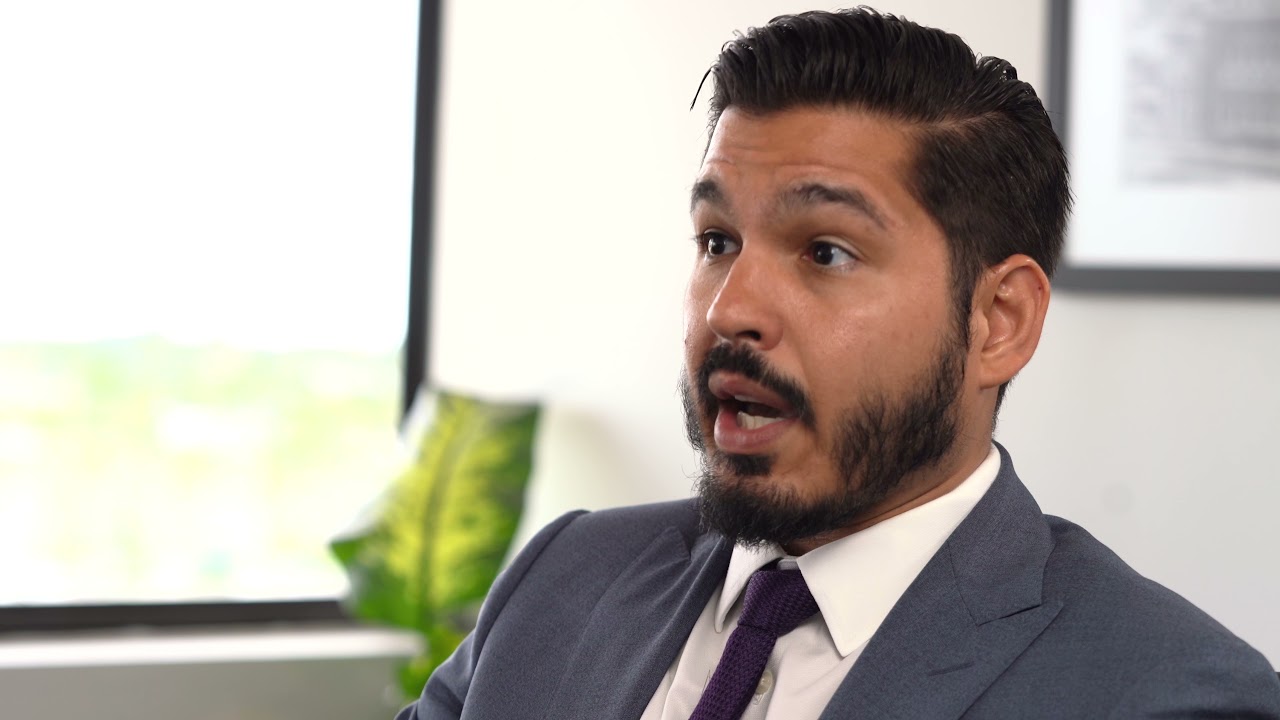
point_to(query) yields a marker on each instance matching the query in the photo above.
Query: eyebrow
(807, 194)
(814, 193)
(706, 191)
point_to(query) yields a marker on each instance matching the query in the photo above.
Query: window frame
(77, 617)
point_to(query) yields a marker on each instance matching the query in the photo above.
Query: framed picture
(1170, 112)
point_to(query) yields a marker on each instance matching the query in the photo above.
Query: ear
(1009, 307)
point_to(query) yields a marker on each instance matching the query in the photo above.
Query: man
(876, 218)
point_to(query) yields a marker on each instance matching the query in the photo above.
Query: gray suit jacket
(1018, 615)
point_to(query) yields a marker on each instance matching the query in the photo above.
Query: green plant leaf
(439, 539)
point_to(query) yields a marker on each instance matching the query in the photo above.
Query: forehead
(751, 154)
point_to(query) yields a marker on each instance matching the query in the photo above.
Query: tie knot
(777, 601)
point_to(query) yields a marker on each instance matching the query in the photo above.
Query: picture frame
(1170, 113)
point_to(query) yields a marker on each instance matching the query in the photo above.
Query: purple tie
(776, 602)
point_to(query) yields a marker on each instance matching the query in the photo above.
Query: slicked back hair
(988, 166)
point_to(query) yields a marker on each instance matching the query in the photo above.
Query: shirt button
(766, 684)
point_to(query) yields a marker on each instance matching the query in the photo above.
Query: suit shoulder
(1122, 645)
(617, 533)
(635, 523)
(1101, 591)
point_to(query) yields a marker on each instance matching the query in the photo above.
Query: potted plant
(441, 532)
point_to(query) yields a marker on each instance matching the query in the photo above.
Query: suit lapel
(972, 610)
(638, 627)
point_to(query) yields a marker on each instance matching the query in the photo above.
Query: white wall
(562, 251)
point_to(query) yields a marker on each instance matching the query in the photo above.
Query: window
(206, 223)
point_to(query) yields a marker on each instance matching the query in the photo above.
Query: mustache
(749, 364)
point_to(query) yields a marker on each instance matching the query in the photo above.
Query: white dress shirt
(856, 581)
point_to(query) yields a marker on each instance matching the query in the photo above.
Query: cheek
(695, 337)
(872, 351)
(697, 300)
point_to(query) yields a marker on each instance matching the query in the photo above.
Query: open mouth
(752, 415)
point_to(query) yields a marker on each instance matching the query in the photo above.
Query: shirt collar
(857, 579)
(742, 565)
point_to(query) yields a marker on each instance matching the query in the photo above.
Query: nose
(744, 309)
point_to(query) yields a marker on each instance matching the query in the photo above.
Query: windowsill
(285, 672)
(205, 646)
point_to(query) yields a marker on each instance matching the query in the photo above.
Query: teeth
(754, 422)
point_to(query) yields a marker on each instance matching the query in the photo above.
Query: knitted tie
(776, 602)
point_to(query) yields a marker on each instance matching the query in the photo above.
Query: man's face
(824, 362)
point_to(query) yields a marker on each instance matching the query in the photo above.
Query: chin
(760, 508)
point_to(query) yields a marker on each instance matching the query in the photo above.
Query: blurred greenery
(428, 558)
(144, 469)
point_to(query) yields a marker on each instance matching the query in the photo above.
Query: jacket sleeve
(1220, 683)
(445, 695)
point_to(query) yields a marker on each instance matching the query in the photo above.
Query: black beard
(877, 447)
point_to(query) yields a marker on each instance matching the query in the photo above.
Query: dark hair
(989, 167)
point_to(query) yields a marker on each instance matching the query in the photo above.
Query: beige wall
(562, 251)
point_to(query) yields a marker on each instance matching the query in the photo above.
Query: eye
(715, 244)
(830, 255)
